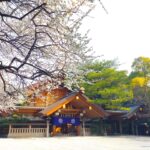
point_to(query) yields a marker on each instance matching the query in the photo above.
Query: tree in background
(105, 85)
(39, 40)
(140, 79)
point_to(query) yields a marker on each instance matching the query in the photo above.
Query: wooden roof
(81, 103)
(27, 110)
(114, 113)
(131, 113)
(124, 114)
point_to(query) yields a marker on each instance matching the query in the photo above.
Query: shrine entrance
(68, 129)
(67, 126)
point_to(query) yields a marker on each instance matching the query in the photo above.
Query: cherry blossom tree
(39, 41)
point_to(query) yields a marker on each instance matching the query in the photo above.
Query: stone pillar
(47, 128)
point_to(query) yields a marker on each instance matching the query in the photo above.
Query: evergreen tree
(140, 79)
(105, 85)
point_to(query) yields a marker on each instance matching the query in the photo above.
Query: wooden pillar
(79, 130)
(54, 130)
(120, 126)
(29, 126)
(47, 128)
(101, 126)
(136, 129)
(83, 127)
(104, 128)
(10, 128)
(115, 126)
(132, 127)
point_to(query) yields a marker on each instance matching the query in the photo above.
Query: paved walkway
(77, 143)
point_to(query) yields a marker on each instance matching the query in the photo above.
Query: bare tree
(39, 40)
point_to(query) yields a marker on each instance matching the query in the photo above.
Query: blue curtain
(58, 121)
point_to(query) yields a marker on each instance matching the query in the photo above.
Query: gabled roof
(131, 113)
(58, 104)
(81, 103)
(115, 113)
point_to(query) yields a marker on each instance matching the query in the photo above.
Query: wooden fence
(27, 132)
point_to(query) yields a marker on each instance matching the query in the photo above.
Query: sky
(123, 33)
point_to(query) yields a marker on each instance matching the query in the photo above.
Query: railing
(27, 132)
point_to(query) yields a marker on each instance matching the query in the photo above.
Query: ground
(77, 143)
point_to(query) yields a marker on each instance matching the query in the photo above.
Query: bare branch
(103, 6)
(20, 18)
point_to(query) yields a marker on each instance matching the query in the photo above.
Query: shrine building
(52, 113)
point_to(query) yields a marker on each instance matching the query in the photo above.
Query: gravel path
(77, 143)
